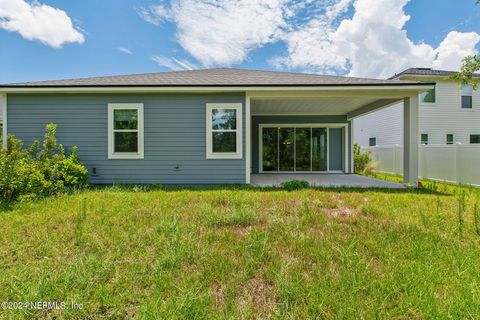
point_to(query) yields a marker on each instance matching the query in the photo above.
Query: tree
(471, 65)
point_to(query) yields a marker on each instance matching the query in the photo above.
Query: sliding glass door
(291, 149)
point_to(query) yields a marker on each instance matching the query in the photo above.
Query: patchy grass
(240, 252)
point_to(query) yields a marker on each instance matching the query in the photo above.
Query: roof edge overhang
(421, 86)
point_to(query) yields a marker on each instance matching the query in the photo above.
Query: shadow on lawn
(135, 188)
(239, 187)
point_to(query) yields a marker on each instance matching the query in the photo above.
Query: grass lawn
(240, 252)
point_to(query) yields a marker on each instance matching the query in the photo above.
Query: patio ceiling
(311, 106)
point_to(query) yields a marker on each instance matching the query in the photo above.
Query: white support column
(410, 140)
(3, 107)
(248, 129)
(351, 147)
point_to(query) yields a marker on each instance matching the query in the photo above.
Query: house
(211, 126)
(448, 114)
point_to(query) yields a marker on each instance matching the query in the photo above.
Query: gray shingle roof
(214, 77)
(426, 72)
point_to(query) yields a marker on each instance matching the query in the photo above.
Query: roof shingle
(425, 72)
(214, 77)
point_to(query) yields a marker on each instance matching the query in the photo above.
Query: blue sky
(370, 38)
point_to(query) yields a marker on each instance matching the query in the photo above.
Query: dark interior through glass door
(294, 149)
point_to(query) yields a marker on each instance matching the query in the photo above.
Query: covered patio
(324, 180)
(307, 133)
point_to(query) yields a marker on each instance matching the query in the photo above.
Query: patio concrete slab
(324, 180)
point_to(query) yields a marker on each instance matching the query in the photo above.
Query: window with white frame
(467, 93)
(474, 138)
(424, 138)
(125, 131)
(372, 142)
(450, 138)
(428, 96)
(224, 130)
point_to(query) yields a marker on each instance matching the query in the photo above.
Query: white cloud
(173, 63)
(318, 35)
(373, 43)
(125, 50)
(309, 45)
(454, 48)
(36, 21)
(155, 14)
(222, 33)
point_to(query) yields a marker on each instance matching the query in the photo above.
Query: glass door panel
(286, 149)
(270, 149)
(302, 149)
(319, 149)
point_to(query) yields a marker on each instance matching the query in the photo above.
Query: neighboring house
(210, 126)
(448, 114)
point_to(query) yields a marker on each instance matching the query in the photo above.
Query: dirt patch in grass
(259, 295)
(376, 266)
(239, 230)
(342, 212)
(317, 232)
(218, 295)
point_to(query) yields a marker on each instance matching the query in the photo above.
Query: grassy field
(240, 252)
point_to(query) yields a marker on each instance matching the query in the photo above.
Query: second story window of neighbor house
(449, 138)
(474, 138)
(467, 93)
(372, 142)
(428, 96)
(424, 138)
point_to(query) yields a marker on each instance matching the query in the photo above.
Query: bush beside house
(362, 162)
(39, 171)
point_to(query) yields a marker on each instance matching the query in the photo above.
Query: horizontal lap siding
(175, 134)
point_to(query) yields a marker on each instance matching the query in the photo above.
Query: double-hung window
(125, 131)
(467, 93)
(224, 130)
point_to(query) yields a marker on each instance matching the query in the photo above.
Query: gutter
(421, 86)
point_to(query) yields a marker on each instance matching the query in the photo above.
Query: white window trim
(429, 103)
(469, 137)
(462, 95)
(125, 155)
(224, 155)
(344, 126)
(428, 139)
(446, 138)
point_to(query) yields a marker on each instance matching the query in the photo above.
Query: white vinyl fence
(455, 163)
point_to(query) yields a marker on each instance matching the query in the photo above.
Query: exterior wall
(386, 125)
(335, 148)
(438, 119)
(175, 134)
(446, 116)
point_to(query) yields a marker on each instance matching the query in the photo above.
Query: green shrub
(295, 185)
(362, 162)
(36, 172)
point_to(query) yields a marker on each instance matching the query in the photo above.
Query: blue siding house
(212, 126)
